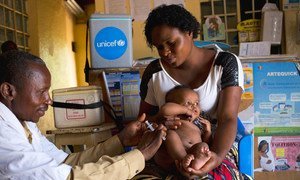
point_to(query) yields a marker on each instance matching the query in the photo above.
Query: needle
(149, 126)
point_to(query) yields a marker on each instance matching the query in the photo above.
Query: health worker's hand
(133, 132)
(151, 141)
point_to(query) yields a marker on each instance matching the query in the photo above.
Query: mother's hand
(171, 113)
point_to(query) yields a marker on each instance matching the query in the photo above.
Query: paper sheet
(168, 2)
(115, 7)
(140, 9)
(255, 49)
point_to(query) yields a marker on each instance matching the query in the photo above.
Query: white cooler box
(67, 118)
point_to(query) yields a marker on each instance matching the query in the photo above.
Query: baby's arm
(206, 134)
(174, 145)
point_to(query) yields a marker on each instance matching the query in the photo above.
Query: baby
(194, 132)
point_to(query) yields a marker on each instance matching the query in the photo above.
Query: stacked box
(67, 118)
(110, 41)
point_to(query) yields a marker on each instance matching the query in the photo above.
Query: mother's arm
(227, 113)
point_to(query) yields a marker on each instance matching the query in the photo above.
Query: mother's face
(31, 101)
(173, 46)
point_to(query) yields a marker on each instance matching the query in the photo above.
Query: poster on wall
(213, 29)
(277, 153)
(248, 81)
(168, 2)
(123, 93)
(246, 108)
(115, 7)
(276, 98)
(140, 9)
(291, 5)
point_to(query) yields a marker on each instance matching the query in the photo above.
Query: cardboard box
(271, 24)
(66, 118)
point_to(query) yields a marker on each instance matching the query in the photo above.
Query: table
(85, 136)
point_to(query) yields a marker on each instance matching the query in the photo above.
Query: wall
(50, 27)
(140, 48)
(80, 55)
(290, 19)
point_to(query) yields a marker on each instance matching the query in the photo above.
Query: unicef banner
(276, 98)
(111, 41)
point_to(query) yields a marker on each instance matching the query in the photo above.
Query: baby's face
(190, 100)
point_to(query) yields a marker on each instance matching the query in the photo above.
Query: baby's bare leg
(197, 156)
(173, 149)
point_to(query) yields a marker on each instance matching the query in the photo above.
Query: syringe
(149, 126)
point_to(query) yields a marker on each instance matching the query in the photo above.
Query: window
(231, 13)
(227, 11)
(251, 9)
(13, 23)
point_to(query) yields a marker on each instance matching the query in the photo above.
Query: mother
(217, 77)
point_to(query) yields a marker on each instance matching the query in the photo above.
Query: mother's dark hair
(14, 66)
(8, 46)
(174, 16)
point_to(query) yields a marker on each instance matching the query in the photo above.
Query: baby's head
(185, 96)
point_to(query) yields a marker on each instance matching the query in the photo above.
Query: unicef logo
(121, 43)
(110, 43)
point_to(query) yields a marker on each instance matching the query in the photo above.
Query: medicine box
(67, 118)
(110, 41)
